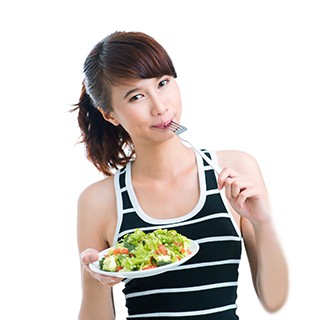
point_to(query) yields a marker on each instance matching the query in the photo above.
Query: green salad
(142, 251)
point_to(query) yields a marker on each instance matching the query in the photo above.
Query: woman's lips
(162, 125)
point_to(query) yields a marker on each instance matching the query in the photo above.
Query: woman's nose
(158, 106)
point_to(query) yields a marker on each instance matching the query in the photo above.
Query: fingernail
(93, 256)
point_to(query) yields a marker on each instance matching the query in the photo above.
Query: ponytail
(108, 147)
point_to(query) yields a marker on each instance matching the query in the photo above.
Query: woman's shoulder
(97, 214)
(98, 195)
(238, 160)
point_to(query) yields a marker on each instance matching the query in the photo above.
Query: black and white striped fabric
(205, 287)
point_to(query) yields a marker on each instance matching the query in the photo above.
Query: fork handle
(214, 166)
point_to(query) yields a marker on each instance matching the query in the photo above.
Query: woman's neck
(162, 161)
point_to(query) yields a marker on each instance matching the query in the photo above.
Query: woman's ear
(109, 116)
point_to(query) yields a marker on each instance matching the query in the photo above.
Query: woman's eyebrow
(138, 88)
(131, 91)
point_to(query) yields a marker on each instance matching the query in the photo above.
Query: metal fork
(178, 129)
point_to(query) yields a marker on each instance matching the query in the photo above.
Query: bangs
(136, 56)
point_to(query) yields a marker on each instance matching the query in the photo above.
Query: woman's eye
(136, 97)
(162, 83)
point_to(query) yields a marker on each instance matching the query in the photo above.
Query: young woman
(153, 181)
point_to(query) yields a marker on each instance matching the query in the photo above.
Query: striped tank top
(203, 288)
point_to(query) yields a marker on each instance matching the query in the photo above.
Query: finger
(238, 185)
(234, 186)
(224, 175)
(227, 187)
(109, 281)
(244, 195)
(235, 189)
(88, 256)
(232, 189)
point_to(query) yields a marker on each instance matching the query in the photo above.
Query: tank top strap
(123, 201)
(210, 174)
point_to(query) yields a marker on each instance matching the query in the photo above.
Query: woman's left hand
(246, 195)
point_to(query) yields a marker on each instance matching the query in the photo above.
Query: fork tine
(176, 128)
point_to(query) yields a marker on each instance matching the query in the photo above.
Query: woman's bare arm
(247, 194)
(96, 225)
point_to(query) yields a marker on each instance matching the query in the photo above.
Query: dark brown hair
(115, 59)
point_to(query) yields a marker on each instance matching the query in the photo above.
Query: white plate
(193, 247)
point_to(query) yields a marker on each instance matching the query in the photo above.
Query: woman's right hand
(91, 255)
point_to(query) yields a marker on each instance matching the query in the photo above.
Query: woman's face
(144, 107)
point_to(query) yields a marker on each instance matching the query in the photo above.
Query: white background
(249, 74)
